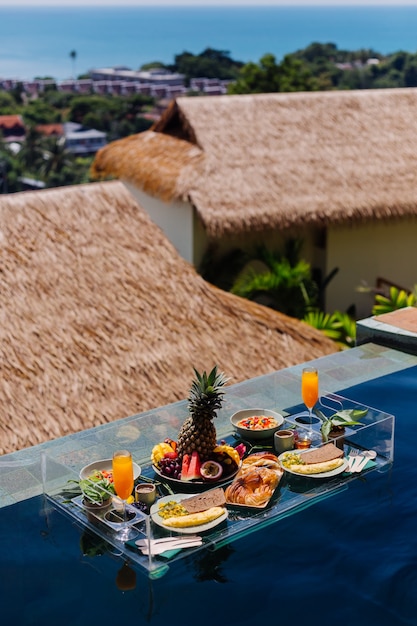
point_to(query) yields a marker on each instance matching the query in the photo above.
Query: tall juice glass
(123, 485)
(310, 390)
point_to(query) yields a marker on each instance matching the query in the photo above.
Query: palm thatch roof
(279, 160)
(101, 318)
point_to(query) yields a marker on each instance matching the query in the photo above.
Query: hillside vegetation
(318, 67)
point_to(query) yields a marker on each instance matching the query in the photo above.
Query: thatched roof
(282, 160)
(101, 318)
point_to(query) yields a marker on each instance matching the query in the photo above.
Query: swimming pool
(351, 559)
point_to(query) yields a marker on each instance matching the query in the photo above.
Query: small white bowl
(105, 465)
(247, 433)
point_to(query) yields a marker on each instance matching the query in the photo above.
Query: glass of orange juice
(310, 390)
(123, 485)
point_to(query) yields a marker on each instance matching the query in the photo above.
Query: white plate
(177, 497)
(105, 465)
(335, 472)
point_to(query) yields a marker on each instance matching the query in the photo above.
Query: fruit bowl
(254, 429)
(191, 486)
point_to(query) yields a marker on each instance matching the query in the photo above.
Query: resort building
(334, 169)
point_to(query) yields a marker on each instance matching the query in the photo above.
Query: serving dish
(334, 472)
(191, 530)
(193, 485)
(106, 466)
(256, 482)
(250, 434)
(239, 505)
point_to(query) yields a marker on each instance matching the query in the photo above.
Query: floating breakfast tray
(293, 493)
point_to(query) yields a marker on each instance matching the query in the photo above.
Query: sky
(102, 3)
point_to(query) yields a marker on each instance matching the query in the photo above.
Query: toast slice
(204, 501)
(325, 453)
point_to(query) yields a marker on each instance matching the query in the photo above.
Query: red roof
(11, 121)
(51, 129)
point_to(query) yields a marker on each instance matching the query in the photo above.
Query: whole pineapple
(198, 431)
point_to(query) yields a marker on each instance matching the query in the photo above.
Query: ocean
(38, 41)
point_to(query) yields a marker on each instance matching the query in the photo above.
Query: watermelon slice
(190, 469)
(185, 466)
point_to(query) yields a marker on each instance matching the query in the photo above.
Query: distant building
(156, 76)
(81, 140)
(51, 130)
(12, 128)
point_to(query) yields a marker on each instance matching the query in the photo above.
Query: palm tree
(56, 161)
(73, 55)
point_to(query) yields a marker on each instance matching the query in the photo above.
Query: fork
(353, 454)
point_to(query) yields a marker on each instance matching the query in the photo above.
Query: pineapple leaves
(206, 392)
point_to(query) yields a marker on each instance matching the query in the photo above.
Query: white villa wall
(174, 218)
(365, 252)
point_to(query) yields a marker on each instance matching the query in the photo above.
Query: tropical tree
(57, 162)
(210, 63)
(10, 169)
(31, 153)
(268, 76)
(285, 284)
(7, 103)
(73, 56)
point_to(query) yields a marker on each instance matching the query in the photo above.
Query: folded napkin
(371, 463)
(168, 554)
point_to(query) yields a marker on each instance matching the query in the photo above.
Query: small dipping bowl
(283, 441)
(146, 493)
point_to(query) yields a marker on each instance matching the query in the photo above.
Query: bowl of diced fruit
(254, 424)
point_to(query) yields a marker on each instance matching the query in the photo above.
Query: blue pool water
(350, 559)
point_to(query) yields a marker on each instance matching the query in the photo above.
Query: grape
(170, 467)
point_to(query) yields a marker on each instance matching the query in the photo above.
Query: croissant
(253, 486)
(262, 459)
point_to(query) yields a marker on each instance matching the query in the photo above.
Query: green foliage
(210, 64)
(338, 326)
(323, 67)
(397, 299)
(40, 112)
(269, 77)
(7, 103)
(31, 153)
(117, 116)
(45, 158)
(10, 170)
(58, 99)
(154, 65)
(285, 285)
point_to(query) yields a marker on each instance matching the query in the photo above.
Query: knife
(161, 540)
(165, 547)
